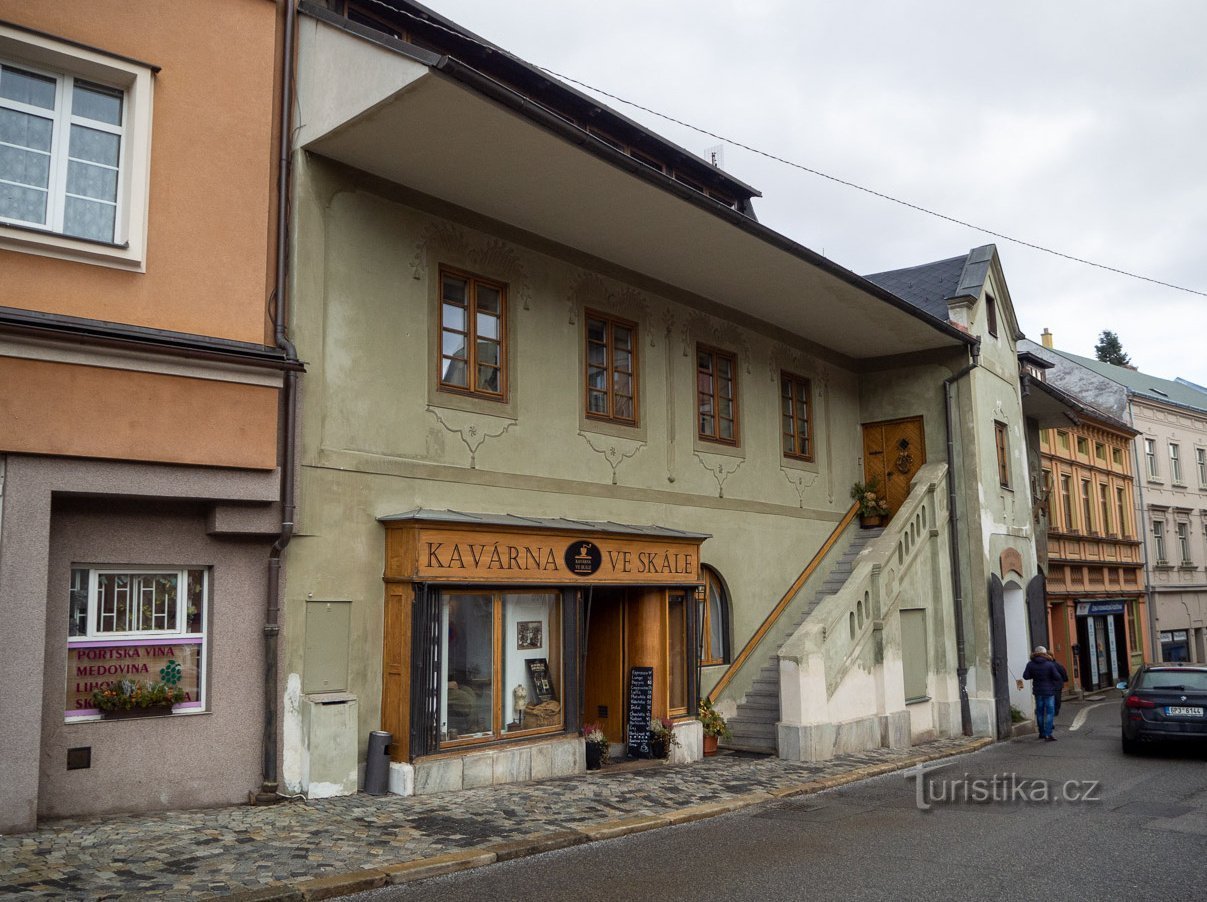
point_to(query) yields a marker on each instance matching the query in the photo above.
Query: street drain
(788, 809)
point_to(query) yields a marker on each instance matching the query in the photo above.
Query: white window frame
(1175, 463)
(64, 62)
(1159, 541)
(1200, 459)
(93, 634)
(1150, 455)
(1182, 527)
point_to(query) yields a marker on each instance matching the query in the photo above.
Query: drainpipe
(953, 525)
(270, 784)
(1150, 592)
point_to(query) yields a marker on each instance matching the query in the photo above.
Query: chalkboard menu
(641, 709)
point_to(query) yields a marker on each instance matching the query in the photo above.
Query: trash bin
(377, 763)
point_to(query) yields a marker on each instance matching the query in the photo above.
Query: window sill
(917, 701)
(30, 240)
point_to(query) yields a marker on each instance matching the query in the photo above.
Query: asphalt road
(1141, 834)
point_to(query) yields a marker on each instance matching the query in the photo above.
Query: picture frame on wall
(530, 634)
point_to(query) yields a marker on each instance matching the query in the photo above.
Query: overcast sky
(1080, 126)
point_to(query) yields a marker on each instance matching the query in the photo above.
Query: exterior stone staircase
(753, 727)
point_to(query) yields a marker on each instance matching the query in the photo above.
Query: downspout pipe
(953, 525)
(269, 791)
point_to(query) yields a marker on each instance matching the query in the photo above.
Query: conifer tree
(1109, 350)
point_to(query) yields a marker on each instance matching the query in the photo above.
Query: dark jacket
(1044, 676)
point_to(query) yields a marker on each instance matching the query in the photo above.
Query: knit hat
(1040, 650)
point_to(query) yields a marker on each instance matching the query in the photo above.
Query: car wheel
(1130, 746)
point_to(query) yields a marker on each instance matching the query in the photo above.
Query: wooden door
(603, 671)
(893, 452)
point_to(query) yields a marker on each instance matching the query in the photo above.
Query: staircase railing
(782, 605)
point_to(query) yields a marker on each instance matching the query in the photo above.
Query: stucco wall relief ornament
(472, 435)
(612, 454)
(445, 242)
(719, 471)
(592, 290)
(799, 481)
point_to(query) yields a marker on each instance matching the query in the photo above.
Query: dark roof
(929, 286)
(1143, 385)
(559, 523)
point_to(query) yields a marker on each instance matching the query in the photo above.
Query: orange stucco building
(143, 375)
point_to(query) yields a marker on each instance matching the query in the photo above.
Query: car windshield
(1175, 680)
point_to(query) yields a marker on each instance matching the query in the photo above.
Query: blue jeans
(1045, 713)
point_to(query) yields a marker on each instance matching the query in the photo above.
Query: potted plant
(597, 745)
(662, 737)
(873, 507)
(136, 698)
(715, 727)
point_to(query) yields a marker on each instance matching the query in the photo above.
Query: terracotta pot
(710, 745)
(149, 711)
(870, 521)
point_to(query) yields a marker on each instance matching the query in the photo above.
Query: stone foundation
(559, 757)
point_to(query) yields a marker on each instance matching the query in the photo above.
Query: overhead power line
(803, 168)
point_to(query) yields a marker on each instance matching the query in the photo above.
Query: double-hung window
(1184, 542)
(142, 624)
(1175, 464)
(611, 369)
(1150, 457)
(75, 129)
(1200, 458)
(1159, 541)
(473, 335)
(717, 395)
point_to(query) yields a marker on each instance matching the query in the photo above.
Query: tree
(1109, 350)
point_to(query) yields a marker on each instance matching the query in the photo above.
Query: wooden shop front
(499, 628)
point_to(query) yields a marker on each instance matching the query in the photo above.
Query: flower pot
(710, 745)
(594, 756)
(870, 521)
(127, 713)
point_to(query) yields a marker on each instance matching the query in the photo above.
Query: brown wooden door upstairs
(893, 452)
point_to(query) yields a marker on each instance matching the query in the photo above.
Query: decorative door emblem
(905, 460)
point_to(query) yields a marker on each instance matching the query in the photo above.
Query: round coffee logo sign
(583, 558)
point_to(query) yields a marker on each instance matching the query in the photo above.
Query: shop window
(1175, 646)
(140, 624)
(796, 412)
(473, 335)
(717, 395)
(611, 369)
(75, 129)
(676, 652)
(1001, 440)
(500, 665)
(714, 620)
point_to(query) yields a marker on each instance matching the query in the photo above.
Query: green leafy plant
(662, 736)
(714, 723)
(122, 695)
(871, 502)
(1016, 716)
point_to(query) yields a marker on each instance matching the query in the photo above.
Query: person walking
(1046, 682)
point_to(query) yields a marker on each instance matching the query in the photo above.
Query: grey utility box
(329, 762)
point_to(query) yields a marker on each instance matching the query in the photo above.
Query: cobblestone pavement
(217, 852)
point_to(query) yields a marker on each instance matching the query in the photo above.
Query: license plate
(1184, 712)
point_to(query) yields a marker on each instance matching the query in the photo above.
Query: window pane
(704, 383)
(95, 102)
(94, 146)
(716, 620)
(453, 317)
(595, 330)
(453, 345)
(488, 299)
(623, 361)
(488, 326)
(624, 337)
(624, 407)
(704, 362)
(705, 404)
(488, 379)
(195, 602)
(532, 661)
(705, 425)
(623, 383)
(597, 379)
(454, 290)
(724, 367)
(597, 402)
(28, 204)
(725, 408)
(77, 617)
(467, 665)
(455, 373)
(726, 429)
(488, 352)
(726, 388)
(25, 130)
(91, 181)
(597, 355)
(89, 219)
(24, 166)
(786, 406)
(27, 87)
(789, 448)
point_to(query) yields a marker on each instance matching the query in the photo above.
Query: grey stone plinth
(541, 761)
(690, 734)
(821, 742)
(569, 757)
(512, 766)
(439, 775)
(895, 729)
(478, 770)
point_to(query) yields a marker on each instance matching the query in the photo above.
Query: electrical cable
(786, 162)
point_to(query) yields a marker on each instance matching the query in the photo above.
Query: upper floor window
(611, 369)
(1001, 440)
(1087, 506)
(1159, 541)
(75, 128)
(1150, 457)
(1175, 463)
(1083, 446)
(1200, 459)
(717, 395)
(1117, 456)
(714, 619)
(1121, 509)
(796, 412)
(1062, 439)
(1104, 507)
(1184, 541)
(473, 334)
(991, 315)
(1100, 451)
(1066, 500)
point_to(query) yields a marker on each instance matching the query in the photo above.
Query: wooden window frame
(1104, 508)
(1087, 504)
(1066, 501)
(991, 315)
(1121, 509)
(707, 659)
(1001, 440)
(610, 324)
(471, 336)
(800, 387)
(716, 355)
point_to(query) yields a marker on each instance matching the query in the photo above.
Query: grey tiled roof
(927, 286)
(560, 523)
(1144, 385)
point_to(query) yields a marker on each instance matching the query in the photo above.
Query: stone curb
(329, 887)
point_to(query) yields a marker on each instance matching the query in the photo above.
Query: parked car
(1164, 702)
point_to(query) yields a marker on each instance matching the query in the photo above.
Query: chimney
(1046, 338)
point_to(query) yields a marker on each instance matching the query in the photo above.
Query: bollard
(377, 763)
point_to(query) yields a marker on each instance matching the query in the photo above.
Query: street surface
(1142, 835)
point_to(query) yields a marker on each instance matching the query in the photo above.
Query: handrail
(769, 621)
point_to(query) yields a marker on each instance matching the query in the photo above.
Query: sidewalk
(317, 850)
